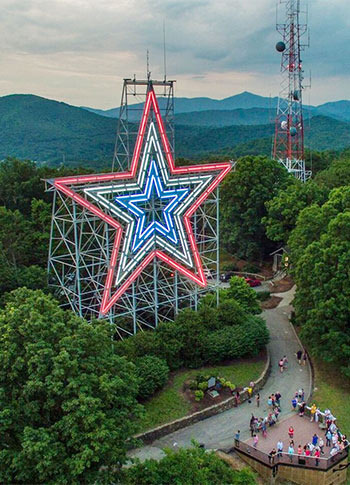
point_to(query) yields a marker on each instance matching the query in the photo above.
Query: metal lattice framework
(139, 244)
(288, 147)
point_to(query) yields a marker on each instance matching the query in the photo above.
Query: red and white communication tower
(288, 147)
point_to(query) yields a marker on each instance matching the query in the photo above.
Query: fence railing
(321, 463)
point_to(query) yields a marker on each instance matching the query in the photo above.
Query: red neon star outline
(63, 184)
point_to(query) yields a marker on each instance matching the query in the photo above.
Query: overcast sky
(79, 51)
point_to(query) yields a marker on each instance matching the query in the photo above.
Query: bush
(230, 267)
(251, 268)
(198, 395)
(263, 295)
(238, 341)
(203, 386)
(153, 374)
(186, 466)
(240, 291)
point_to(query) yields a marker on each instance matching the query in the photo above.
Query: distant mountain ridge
(52, 132)
(246, 100)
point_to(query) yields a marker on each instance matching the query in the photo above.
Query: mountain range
(243, 101)
(51, 132)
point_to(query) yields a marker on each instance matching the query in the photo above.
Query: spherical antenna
(280, 46)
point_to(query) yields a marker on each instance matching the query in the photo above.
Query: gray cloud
(79, 50)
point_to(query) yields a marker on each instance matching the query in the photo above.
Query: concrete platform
(303, 433)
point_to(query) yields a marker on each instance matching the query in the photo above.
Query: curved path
(218, 431)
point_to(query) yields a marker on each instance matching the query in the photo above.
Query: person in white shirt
(279, 448)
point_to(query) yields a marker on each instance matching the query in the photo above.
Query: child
(291, 432)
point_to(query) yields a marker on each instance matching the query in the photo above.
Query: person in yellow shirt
(313, 411)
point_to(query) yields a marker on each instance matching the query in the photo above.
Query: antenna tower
(288, 146)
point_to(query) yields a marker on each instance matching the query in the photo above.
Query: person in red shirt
(291, 432)
(307, 452)
(317, 456)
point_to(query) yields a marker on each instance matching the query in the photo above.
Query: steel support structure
(81, 243)
(288, 146)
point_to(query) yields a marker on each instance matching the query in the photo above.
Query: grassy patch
(170, 403)
(333, 392)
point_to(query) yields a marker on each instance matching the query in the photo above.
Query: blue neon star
(153, 190)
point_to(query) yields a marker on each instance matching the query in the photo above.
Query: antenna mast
(288, 147)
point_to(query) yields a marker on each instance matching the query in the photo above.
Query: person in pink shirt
(307, 452)
(317, 456)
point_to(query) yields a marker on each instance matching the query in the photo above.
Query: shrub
(238, 341)
(251, 268)
(203, 386)
(198, 395)
(240, 290)
(230, 312)
(153, 374)
(263, 295)
(186, 466)
(230, 267)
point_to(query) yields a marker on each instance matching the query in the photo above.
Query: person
(304, 357)
(250, 392)
(290, 452)
(285, 362)
(264, 428)
(321, 445)
(302, 409)
(333, 452)
(278, 398)
(276, 412)
(311, 447)
(255, 440)
(251, 425)
(291, 432)
(299, 354)
(273, 399)
(272, 455)
(257, 400)
(328, 438)
(294, 403)
(237, 435)
(307, 452)
(300, 450)
(269, 401)
(302, 395)
(279, 448)
(237, 398)
(314, 439)
(312, 412)
(317, 456)
(280, 364)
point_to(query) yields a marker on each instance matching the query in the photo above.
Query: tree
(338, 173)
(284, 208)
(321, 269)
(244, 193)
(241, 292)
(67, 401)
(193, 466)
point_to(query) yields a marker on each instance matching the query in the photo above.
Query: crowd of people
(317, 446)
(258, 425)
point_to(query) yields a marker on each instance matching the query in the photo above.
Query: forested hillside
(48, 131)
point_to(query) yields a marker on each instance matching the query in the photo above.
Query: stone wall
(163, 430)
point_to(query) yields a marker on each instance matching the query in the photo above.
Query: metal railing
(283, 458)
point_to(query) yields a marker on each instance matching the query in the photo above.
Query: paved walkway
(218, 431)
